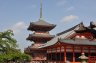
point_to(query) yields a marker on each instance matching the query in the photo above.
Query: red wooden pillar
(56, 54)
(95, 52)
(60, 54)
(51, 55)
(82, 50)
(64, 54)
(89, 54)
(73, 54)
(47, 58)
(89, 51)
(48, 55)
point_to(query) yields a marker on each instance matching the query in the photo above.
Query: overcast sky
(17, 15)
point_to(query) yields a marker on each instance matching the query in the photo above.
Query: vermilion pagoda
(40, 36)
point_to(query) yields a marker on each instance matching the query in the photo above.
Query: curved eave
(36, 27)
(36, 49)
(33, 37)
(79, 42)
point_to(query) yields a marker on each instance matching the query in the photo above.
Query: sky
(17, 15)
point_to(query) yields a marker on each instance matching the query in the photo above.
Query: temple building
(65, 46)
(68, 45)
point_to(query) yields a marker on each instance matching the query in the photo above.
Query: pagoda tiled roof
(41, 23)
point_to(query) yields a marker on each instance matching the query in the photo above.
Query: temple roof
(81, 28)
(71, 29)
(70, 41)
(79, 41)
(78, 27)
(92, 25)
(41, 24)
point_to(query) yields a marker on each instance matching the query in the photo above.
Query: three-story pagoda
(39, 36)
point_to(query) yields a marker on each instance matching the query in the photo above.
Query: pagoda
(39, 36)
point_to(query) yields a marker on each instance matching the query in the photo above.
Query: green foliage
(20, 57)
(8, 49)
(7, 42)
(25, 57)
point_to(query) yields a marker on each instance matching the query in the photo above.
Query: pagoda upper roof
(41, 24)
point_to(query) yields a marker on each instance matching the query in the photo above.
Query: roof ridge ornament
(40, 10)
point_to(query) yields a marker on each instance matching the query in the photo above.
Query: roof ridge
(69, 29)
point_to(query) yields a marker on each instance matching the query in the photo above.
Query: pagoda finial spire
(41, 9)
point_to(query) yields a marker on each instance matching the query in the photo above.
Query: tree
(8, 49)
(7, 42)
